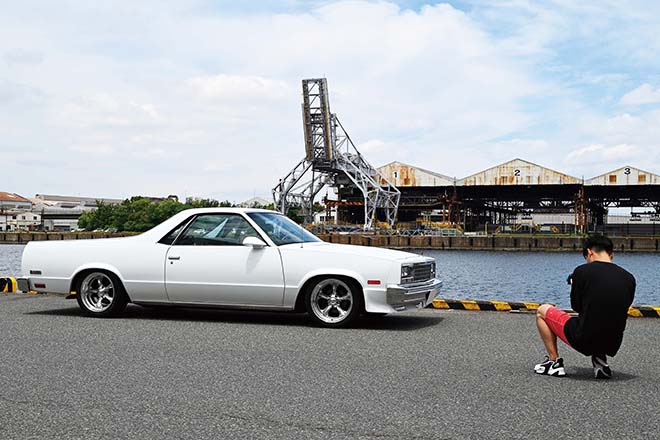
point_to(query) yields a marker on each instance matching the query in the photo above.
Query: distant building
(323, 217)
(54, 218)
(12, 210)
(16, 220)
(14, 201)
(255, 202)
(72, 201)
(61, 213)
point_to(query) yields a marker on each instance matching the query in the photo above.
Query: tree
(86, 219)
(294, 214)
(139, 214)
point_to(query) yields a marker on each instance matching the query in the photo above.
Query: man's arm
(631, 296)
(576, 292)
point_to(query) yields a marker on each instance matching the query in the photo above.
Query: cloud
(373, 145)
(19, 94)
(148, 109)
(597, 153)
(238, 88)
(616, 140)
(644, 94)
(414, 80)
(523, 146)
(95, 150)
(378, 152)
(22, 56)
(199, 98)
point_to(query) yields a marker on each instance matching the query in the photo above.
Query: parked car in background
(231, 258)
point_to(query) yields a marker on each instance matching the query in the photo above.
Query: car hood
(360, 251)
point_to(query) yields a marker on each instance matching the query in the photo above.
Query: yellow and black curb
(644, 311)
(508, 306)
(8, 285)
(493, 306)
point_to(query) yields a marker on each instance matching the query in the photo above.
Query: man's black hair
(597, 243)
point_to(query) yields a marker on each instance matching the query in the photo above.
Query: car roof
(226, 210)
(160, 230)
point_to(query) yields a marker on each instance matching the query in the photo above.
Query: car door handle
(173, 258)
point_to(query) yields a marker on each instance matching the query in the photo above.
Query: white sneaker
(601, 369)
(551, 368)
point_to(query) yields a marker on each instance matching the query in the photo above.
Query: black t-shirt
(601, 293)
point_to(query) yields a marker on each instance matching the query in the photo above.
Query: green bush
(139, 214)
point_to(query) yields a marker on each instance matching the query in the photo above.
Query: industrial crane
(331, 159)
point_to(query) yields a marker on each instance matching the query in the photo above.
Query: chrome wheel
(332, 301)
(97, 292)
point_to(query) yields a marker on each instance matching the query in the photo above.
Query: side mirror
(255, 242)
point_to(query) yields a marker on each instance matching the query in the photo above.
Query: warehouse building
(404, 175)
(519, 195)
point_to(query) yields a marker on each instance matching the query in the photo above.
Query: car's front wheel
(101, 294)
(334, 301)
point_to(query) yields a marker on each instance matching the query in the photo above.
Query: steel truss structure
(332, 159)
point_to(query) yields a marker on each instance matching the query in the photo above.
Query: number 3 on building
(626, 170)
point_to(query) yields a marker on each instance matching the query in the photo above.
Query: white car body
(270, 277)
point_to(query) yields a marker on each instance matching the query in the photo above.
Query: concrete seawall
(25, 237)
(496, 243)
(492, 243)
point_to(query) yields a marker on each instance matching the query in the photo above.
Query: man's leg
(550, 322)
(547, 336)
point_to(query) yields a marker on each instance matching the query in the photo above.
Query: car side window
(171, 236)
(217, 230)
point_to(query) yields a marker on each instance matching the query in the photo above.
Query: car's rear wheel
(334, 301)
(101, 294)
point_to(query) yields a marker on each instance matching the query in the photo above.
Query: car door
(208, 263)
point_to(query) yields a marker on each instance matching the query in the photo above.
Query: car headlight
(433, 270)
(406, 272)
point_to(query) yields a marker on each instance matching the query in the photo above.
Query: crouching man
(601, 293)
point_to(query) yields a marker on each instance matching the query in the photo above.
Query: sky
(202, 98)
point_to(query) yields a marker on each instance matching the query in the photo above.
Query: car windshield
(281, 229)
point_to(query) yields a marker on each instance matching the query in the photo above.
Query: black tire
(101, 294)
(334, 301)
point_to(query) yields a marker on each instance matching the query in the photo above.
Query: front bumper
(413, 296)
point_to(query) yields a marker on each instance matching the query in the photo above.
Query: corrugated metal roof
(626, 175)
(518, 172)
(74, 199)
(402, 174)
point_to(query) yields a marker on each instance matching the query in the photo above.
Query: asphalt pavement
(185, 373)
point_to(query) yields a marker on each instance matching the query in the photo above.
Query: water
(532, 276)
(10, 259)
(508, 276)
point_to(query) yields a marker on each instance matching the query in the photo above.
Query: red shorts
(556, 320)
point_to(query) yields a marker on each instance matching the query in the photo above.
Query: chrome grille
(420, 272)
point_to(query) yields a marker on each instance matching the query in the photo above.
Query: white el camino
(231, 258)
